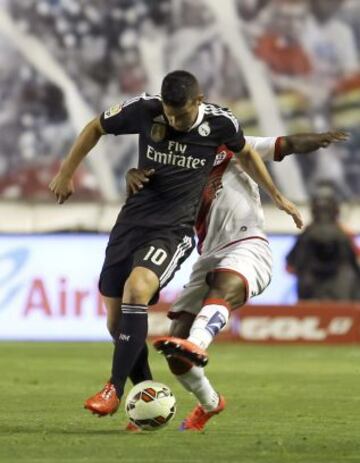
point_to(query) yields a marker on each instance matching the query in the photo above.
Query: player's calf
(209, 322)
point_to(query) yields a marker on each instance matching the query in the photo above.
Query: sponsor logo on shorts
(124, 337)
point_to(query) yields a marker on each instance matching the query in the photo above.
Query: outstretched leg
(228, 290)
(193, 379)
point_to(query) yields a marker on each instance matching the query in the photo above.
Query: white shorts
(249, 258)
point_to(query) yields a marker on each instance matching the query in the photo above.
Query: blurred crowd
(308, 50)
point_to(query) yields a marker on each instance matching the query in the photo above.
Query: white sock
(196, 382)
(210, 320)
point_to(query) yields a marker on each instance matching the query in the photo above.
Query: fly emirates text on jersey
(175, 156)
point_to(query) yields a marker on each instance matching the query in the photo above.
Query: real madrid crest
(158, 132)
(204, 129)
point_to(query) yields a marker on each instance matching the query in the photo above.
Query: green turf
(285, 404)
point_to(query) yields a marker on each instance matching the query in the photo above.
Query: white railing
(35, 217)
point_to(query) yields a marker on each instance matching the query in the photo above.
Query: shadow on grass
(6, 430)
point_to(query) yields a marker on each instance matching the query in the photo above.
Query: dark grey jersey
(182, 160)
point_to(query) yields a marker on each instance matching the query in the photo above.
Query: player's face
(183, 118)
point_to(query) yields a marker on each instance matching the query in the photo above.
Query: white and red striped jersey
(231, 208)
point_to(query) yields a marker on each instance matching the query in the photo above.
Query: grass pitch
(285, 404)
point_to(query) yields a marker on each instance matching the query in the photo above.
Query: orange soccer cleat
(132, 427)
(104, 402)
(182, 348)
(197, 419)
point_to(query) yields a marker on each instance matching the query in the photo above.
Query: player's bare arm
(303, 143)
(62, 184)
(255, 167)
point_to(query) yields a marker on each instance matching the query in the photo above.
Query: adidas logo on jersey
(173, 159)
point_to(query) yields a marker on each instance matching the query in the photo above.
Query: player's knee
(136, 292)
(178, 366)
(140, 287)
(228, 286)
(237, 294)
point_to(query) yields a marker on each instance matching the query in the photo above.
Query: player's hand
(62, 186)
(287, 206)
(136, 179)
(325, 139)
(303, 143)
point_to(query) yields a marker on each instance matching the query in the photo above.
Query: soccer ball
(150, 405)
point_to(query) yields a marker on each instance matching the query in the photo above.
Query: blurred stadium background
(283, 66)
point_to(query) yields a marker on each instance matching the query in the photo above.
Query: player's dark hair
(178, 87)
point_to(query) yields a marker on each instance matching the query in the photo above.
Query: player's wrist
(276, 195)
(66, 171)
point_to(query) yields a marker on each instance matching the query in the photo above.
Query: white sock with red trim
(196, 382)
(209, 321)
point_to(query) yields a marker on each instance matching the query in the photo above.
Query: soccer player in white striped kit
(235, 264)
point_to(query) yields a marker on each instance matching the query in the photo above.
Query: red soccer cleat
(199, 417)
(104, 402)
(182, 348)
(132, 427)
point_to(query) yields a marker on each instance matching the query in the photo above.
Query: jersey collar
(199, 118)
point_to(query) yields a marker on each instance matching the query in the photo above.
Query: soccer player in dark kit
(178, 138)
